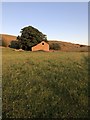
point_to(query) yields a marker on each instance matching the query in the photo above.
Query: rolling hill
(67, 46)
(6, 39)
(64, 46)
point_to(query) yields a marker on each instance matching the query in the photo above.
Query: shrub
(15, 44)
(55, 46)
(82, 45)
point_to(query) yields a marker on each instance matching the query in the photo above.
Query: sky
(62, 21)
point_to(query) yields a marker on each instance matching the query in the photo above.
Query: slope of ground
(67, 46)
(6, 39)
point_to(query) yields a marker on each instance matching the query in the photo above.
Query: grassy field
(44, 84)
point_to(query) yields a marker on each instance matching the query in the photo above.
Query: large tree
(30, 36)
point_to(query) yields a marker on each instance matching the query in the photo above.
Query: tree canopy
(30, 36)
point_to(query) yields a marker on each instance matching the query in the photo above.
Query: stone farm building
(41, 46)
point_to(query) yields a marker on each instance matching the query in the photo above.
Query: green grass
(44, 84)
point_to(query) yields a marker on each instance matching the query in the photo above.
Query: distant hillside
(6, 39)
(67, 46)
(64, 46)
